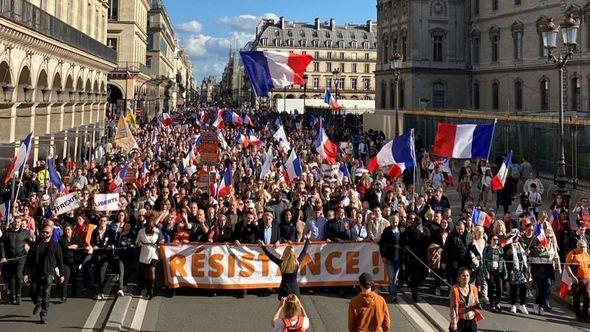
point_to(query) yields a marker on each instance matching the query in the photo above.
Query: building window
(316, 82)
(575, 94)
(354, 68)
(476, 45)
(437, 48)
(476, 95)
(544, 94)
(517, 36)
(342, 67)
(316, 66)
(495, 43)
(341, 55)
(385, 50)
(353, 56)
(367, 56)
(113, 10)
(303, 43)
(340, 83)
(495, 4)
(329, 67)
(316, 55)
(495, 96)
(383, 94)
(329, 54)
(353, 83)
(518, 95)
(394, 45)
(367, 84)
(367, 68)
(315, 43)
(277, 42)
(328, 83)
(112, 43)
(438, 95)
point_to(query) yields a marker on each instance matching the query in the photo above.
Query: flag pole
(12, 191)
(416, 184)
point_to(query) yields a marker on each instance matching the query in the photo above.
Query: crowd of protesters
(165, 199)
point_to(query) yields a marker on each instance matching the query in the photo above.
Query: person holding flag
(544, 261)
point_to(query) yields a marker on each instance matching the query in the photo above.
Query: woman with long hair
(148, 239)
(289, 266)
(294, 316)
(464, 304)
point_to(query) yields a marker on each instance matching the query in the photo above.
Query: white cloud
(191, 26)
(246, 22)
(203, 46)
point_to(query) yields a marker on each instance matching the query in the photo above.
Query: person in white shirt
(535, 199)
(148, 239)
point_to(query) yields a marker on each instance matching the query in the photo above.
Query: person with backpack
(294, 317)
(368, 311)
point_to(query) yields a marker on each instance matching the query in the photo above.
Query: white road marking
(139, 315)
(414, 315)
(96, 310)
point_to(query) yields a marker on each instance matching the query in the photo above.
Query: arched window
(438, 95)
(113, 10)
(544, 86)
(518, 95)
(476, 95)
(495, 95)
(385, 50)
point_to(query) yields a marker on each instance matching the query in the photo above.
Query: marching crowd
(165, 197)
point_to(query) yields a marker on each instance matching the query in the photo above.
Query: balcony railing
(34, 18)
(133, 68)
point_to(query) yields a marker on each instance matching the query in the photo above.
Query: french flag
(234, 118)
(254, 140)
(566, 284)
(500, 179)
(54, 177)
(330, 100)
(481, 218)
(247, 121)
(20, 158)
(540, 234)
(343, 172)
(326, 149)
(219, 123)
(274, 70)
(399, 152)
(463, 141)
(5, 211)
(118, 181)
(292, 167)
(242, 139)
(221, 139)
(166, 120)
(223, 188)
(514, 235)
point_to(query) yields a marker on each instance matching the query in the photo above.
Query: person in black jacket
(287, 227)
(389, 247)
(44, 261)
(70, 243)
(102, 240)
(338, 229)
(375, 195)
(455, 250)
(13, 257)
(416, 238)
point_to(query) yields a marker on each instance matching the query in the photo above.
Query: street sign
(209, 148)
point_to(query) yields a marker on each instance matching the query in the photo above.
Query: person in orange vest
(578, 268)
(368, 311)
(464, 304)
(294, 318)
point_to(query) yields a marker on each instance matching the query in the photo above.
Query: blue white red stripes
(463, 141)
(399, 152)
(223, 188)
(242, 139)
(274, 70)
(540, 234)
(20, 158)
(292, 167)
(118, 181)
(326, 148)
(499, 180)
(481, 218)
(330, 100)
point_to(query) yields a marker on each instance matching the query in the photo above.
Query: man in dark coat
(416, 239)
(453, 256)
(13, 257)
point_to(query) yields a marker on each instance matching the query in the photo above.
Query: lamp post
(396, 65)
(305, 77)
(336, 75)
(569, 32)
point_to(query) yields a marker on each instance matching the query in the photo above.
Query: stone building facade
(476, 54)
(53, 72)
(349, 48)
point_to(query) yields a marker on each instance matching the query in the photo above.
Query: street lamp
(305, 77)
(569, 32)
(336, 75)
(396, 65)
(8, 89)
(28, 93)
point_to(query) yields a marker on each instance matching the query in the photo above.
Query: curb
(433, 316)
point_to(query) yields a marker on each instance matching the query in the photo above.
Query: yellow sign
(123, 137)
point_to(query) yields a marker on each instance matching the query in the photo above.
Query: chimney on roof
(332, 24)
(282, 22)
(370, 26)
(318, 25)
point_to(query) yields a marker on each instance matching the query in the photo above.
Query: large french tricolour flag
(274, 70)
(326, 148)
(481, 218)
(20, 158)
(399, 152)
(330, 100)
(293, 168)
(499, 180)
(224, 186)
(463, 141)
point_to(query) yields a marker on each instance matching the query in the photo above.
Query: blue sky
(208, 28)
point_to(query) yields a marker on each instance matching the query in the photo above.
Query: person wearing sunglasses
(44, 262)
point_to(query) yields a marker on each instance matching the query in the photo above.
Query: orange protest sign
(217, 266)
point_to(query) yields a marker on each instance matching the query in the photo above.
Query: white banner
(329, 171)
(218, 266)
(66, 203)
(106, 202)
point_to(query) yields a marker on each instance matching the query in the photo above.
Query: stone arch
(42, 86)
(5, 73)
(95, 87)
(290, 96)
(57, 88)
(23, 83)
(114, 93)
